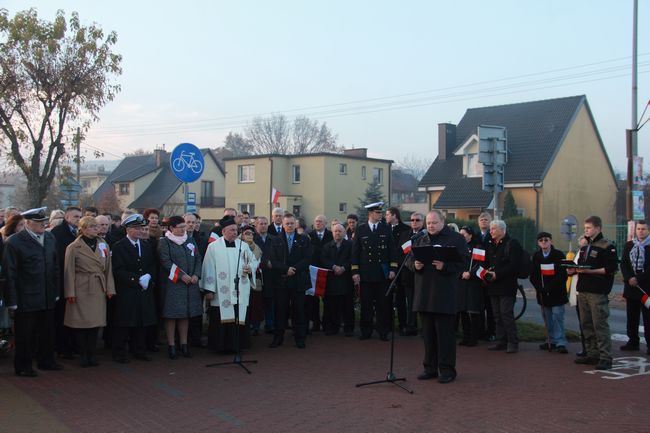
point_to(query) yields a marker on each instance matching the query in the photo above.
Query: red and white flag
(103, 249)
(406, 247)
(174, 273)
(478, 255)
(275, 195)
(548, 269)
(213, 237)
(318, 281)
(480, 272)
(645, 300)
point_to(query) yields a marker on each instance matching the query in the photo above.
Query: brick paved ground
(313, 390)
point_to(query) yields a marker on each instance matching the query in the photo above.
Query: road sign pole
(187, 195)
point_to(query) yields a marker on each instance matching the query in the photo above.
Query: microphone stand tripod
(390, 375)
(238, 360)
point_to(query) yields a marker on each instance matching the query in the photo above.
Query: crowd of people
(74, 273)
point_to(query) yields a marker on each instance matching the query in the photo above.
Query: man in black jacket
(30, 269)
(319, 236)
(435, 298)
(597, 263)
(503, 258)
(401, 233)
(635, 267)
(290, 258)
(549, 279)
(339, 294)
(65, 233)
(265, 241)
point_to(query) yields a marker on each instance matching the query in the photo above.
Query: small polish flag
(318, 281)
(102, 249)
(548, 269)
(275, 196)
(174, 273)
(480, 272)
(478, 254)
(645, 300)
(213, 237)
(406, 247)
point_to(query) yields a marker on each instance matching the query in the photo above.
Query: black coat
(299, 258)
(405, 276)
(31, 272)
(269, 275)
(551, 290)
(599, 253)
(317, 245)
(330, 255)
(64, 237)
(470, 292)
(504, 258)
(373, 253)
(133, 305)
(643, 277)
(435, 291)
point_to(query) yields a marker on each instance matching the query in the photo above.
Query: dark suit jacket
(504, 258)
(133, 305)
(317, 245)
(299, 258)
(31, 272)
(269, 276)
(272, 230)
(373, 253)
(330, 255)
(64, 237)
(628, 271)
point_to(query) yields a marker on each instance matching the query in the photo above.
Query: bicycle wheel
(524, 303)
(178, 164)
(196, 166)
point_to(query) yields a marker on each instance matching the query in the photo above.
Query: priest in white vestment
(226, 258)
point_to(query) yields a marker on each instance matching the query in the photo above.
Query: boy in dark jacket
(549, 280)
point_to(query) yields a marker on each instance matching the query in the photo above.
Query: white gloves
(144, 281)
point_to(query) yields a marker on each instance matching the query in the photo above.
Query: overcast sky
(382, 74)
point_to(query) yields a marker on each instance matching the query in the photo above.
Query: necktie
(320, 236)
(74, 231)
(290, 242)
(374, 228)
(137, 248)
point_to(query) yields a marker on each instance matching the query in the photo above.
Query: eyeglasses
(544, 240)
(416, 219)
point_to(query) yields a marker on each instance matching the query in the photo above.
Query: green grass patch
(527, 331)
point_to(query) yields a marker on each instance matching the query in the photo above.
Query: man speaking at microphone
(435, 298)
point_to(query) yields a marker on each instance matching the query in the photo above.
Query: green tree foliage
(509, 206)
(54, 78)
(373, 194)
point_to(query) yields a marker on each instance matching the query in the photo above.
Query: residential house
(404, 192)
(557, 164)
(309, 184)
(147, 181)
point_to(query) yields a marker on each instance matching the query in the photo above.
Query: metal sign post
(187, 164)
(493, 154)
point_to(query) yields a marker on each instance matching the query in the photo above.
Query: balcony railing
(213, 201)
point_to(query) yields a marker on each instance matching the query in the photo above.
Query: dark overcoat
(504, 258)
(628, 271)
(330, 255)
(551, 289)
(299, 258)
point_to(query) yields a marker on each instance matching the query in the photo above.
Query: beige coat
(88, 277)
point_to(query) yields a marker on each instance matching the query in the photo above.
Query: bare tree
(54, 77)
(236, 145)
(270, 134)
(415, 165)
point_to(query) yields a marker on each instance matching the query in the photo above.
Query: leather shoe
(630, 347)
(497, 347)
(364, 337)
(587, 360)
(53, 366)
(384, 337)
(185, 351)
(153, 348)
(349, 334)
(512, 348)
(604, 364)
(544, 346)
(171, 351)
(446, 379)
(121, 359)
(425, 375)
(561, 349)
(300, 344)
(26, 373)
(277, 342)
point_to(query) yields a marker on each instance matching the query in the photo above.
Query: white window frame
(295, 169)
(246, 173)
(343, 169)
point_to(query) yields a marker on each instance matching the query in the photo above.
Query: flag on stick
(213, 237)
(275, 195)
(406, 246)
(548, 269)
(174, 273)
(478, 255)
(645, 300)
(318, 281)
(480, 272)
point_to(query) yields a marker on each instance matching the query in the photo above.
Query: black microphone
(418, 235)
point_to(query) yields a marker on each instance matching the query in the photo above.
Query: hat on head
(374, 206)
(134, 220)
(226, 221)
(36, 214)
(541, 235)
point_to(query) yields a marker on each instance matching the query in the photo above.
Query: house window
(207, 193)
(343, 169)
(363, 172)
(247, 207)
(124, 189)
(377, 175)
(343, 207)
(474, 168)
(246, 173)
(296, 210)
(295, 173)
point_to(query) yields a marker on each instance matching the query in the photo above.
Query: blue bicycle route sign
(187, 162)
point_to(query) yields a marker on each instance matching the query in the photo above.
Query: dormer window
(473, 168)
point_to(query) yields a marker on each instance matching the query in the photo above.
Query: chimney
(159, 156)
(446, 140)
(360, 151)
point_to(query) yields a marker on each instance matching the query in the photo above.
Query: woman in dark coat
(470, 292)
(180, 262)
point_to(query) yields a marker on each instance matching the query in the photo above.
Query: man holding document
(439, 256)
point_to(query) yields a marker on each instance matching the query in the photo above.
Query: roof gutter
(535, 186)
